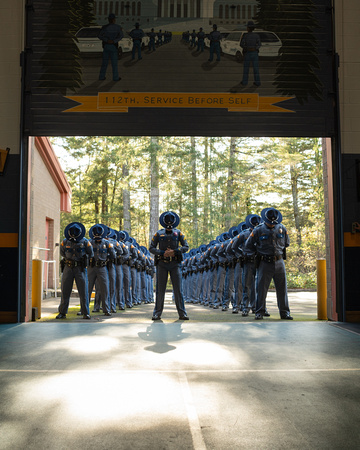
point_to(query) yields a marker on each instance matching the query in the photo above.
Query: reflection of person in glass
(250, 43)
(136, 35)
(110, 35)
(200, 41)
(215, 37)
(168, 245)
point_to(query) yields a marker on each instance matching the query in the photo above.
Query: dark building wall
(9, 226)
(351, 208)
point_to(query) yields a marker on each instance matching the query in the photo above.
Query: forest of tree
(211, 182)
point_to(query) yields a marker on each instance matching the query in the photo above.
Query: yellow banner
(122, 101)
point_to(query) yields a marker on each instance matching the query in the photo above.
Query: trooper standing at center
(168, 246)
(98, 271)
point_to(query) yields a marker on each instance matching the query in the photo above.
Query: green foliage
(212, 183)
(301, 281)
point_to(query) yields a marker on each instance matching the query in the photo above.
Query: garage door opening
(213, 183)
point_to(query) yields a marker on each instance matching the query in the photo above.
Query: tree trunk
(114, 194)
(230, 184)
(104, 193)
(206, 189)
(126, 200)
(154, 187)
(194, 193)
(295, 198)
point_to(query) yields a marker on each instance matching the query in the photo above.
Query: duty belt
(249, 259)
(270, 258)
(72, 263)
(100, 263)
(168, 259)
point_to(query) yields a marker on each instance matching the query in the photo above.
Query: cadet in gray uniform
(229, 290)
(270, 240)
(125, 295)
(221, 269)
(98, 271)
(75, 250)
(168, 256)
(249, 268)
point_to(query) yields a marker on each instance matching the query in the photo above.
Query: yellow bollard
(36, 285)
(321, 289)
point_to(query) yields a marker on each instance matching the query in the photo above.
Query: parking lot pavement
(303, 306)
(182, 70)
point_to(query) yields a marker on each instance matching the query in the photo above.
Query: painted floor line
(350, 369)
(192, 415)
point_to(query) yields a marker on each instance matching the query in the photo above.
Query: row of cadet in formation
(121, 271)
(237, 267)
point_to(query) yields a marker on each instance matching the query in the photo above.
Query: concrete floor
(303, 306)
(179, 385)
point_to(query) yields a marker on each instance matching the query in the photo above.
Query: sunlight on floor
(85, 344)
(95, 398)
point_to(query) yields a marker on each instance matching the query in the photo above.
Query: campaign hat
(271, 216)
(123, 236)
(75, 231)
(144, 250)
(112, 234)
(169, 220)
(98, 231)
(242, 226)
(252, 220)
(233, 231)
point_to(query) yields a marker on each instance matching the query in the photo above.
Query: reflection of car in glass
(145, 41)
(224, 34)
(89, 43)
(270, 44)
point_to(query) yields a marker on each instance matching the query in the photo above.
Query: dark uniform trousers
(162, 270)
(266, 272)
(80, 276)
